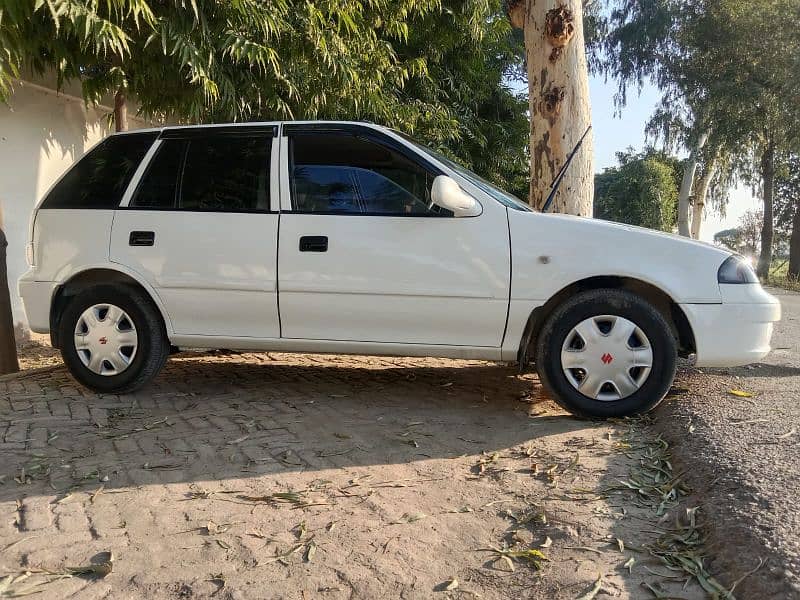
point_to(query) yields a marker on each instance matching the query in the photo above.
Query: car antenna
(560, 175)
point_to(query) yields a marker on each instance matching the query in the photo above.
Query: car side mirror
(446, 193)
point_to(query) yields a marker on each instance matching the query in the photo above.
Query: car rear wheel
(606, 353)
(113, 338)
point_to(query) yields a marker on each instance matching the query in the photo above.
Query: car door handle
(142, 238)
(314, 243)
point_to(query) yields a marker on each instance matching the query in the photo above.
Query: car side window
(159, 186)
(99, 179)
(218, 173)
(332, 172)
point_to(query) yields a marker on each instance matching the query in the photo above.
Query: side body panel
(550, 252)
(215, 272)
(396, 279)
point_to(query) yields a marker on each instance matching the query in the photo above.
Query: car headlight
(736, 269)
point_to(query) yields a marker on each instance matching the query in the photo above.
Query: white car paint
(451, 287)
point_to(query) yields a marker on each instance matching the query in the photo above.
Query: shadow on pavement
(210, 417)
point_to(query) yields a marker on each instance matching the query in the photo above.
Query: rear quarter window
(99, 179)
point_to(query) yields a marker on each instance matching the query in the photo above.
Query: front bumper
(36, 298)
(736, 332)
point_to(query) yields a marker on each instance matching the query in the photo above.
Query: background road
(742, 459)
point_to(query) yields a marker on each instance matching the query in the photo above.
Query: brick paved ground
(382, 456)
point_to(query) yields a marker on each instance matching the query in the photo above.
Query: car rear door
(363, 257)
(202, 228)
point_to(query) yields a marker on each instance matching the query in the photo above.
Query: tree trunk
(120, 111)
(699, 204)
(8, 345)
(686, 185)
(558, 85)
(794, 245)
(767, 190)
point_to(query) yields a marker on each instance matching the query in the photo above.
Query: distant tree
(746, 237)
(730, 238)
(787, 209)
(729, 91)
(642, 190)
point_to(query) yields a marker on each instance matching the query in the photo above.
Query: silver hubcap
(606, 357)
(106, 339)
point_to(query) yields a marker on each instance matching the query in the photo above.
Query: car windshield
(495, 192)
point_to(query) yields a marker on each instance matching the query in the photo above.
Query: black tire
(153, 344)
(620, 303)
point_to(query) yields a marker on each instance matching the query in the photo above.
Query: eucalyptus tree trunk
(8, 345)
(768, 191)
(686, 185)
(699, 204)
(120, 111)
(558, 86)
(794, 245)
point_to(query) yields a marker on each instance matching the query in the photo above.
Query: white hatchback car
(351, 238)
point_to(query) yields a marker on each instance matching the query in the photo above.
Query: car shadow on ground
(212, 417)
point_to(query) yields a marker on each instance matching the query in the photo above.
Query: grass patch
(779, 276)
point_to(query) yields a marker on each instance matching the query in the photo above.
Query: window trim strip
(205, 131)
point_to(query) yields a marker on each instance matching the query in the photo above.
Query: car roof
(178, 128)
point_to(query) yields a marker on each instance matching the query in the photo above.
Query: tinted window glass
(338, 172)
(319, 188)
(158, 188)
(382, 195)
(100, 178)
(226, 173)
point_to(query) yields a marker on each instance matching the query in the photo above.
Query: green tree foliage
(431, 68)
(202, 60)
(642, 190)
(471, 52)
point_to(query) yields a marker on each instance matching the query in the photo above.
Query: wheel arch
(661, 301)
(86, 278)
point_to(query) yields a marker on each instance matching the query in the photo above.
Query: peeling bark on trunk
(120, 111)
(686, 185)
(699, 204)
(558, 85)
(794, 245)
(768, 189)
(8, 345)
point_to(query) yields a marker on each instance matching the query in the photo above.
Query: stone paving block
(17, 432)
(58, 407)
(70, 516)
(79, 410)
(36, 513)
(38, 437)
(99, 416)
(106, 522)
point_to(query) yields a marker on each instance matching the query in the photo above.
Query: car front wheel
(113, 338)
(606, 353)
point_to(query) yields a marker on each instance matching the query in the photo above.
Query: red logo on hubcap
(606, 358)
(103, 340)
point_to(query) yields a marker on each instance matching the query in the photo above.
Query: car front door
(200, 227)
(365, 257)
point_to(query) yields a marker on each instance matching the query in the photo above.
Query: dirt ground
(289, 476)
(741, 456)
